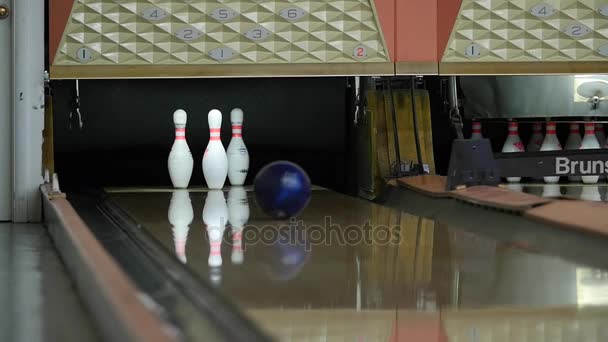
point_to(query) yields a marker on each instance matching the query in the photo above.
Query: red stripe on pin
(180, 137)
(214, 139)
(550, 131)
(236, 135)
(180, 130)
(215, 130)
(237, 126)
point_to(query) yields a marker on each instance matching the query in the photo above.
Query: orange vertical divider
(447, 14)
(386, 15)
(59, 13)
(416, 28)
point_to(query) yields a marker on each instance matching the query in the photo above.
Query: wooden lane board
(499, 198)
(488, 196)
(564, 213)
(431, 185)
(582, 215)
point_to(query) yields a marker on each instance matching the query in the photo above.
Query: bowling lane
(348, 269)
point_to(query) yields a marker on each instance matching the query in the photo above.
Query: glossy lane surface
(348, 269)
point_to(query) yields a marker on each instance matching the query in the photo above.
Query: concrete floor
(38, 300)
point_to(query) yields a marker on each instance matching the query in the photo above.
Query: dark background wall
(128, 127)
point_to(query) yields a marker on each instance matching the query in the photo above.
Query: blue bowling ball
(282, 189)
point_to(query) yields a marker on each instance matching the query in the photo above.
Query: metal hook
(76, 110)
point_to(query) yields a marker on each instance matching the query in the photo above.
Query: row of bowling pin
(218, 163)
(217, 214)
(593, 138)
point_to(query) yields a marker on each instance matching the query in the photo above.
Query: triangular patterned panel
(529, 31)
(208, 32)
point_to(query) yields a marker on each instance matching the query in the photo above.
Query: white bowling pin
(536, 140)
(600, 134)
(238, 156)
(513, 144)
(180, 158)
(215, 216)
(238, 211)
(590, 142)
(215, 160)
(574, 143)
(180, 216)
(476, 131)
(551, 143)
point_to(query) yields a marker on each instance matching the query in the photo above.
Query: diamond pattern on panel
(148, 32)
(529, 31)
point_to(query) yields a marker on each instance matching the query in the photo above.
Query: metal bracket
(472, 163)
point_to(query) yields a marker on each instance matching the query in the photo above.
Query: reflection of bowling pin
(215, 161)
(551, 190)
(215, 275)
(589, 142)
(518, 187)
(180, 217)
(180, 158)
(574, 143)
(238, 156)
(215, 216)
(476, 131)
(591, 193)
(551, 143)
(536, 140)
(238, 211)
(513, 144)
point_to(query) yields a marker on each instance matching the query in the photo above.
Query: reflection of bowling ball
(288, 255)
(282, 189)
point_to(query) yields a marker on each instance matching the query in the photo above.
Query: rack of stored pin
(543, 137)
